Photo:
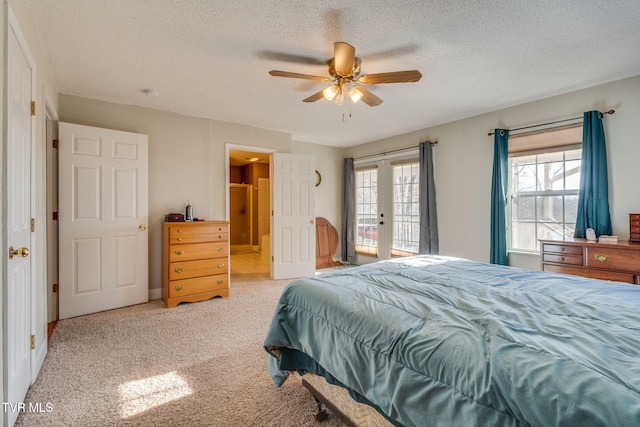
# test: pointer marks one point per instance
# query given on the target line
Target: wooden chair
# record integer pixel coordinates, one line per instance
(326, 244)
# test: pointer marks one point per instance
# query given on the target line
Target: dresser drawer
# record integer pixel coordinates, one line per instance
(634, 217)
(189, 230)
(176, 238)
(635, 236)
(562, 249)
(203, 267)
(191, 251)
(613, 259)
(594, 274)
(198, 285)
(562, 259)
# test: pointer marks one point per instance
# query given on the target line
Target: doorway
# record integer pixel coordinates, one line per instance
(249, 211)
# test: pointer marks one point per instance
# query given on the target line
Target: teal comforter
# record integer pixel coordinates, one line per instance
(443, 341)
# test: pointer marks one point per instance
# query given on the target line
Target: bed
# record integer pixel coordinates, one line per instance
(442, 341)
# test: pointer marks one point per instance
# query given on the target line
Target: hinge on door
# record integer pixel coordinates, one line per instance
(55, 143)
(33, 108)
(55, 288)
(55, 216)
(33, 342)
(33, 225)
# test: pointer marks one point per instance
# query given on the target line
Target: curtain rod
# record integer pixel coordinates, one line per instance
(553, 123)
(391, 151)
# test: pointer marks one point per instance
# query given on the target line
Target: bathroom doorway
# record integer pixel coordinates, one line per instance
(249, 211)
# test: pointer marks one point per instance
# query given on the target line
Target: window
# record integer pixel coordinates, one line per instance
(406, 209)
(543, 187)
(367, 211)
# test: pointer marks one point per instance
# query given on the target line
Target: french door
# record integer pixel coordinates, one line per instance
(387, 208)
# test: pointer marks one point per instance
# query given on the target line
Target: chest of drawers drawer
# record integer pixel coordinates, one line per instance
(191, 251)
(201, 267)
(561, 249)
(613, 259)
(198, 285)
(562, 259)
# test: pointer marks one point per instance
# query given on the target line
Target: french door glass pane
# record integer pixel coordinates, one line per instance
(406, 207)
(366, 238)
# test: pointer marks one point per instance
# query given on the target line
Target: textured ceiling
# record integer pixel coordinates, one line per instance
(211, 58)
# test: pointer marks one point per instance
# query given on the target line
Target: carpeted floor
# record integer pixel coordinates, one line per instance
(198, 364)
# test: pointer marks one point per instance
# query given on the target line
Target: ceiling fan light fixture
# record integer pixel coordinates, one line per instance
(331, 92)
(355, 95)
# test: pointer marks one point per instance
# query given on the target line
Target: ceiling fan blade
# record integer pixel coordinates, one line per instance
(314, 97)
(278, 73)
(289, 57)
(393, 77)
(367, 97)
(344, 55)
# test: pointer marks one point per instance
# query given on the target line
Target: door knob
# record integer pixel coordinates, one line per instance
(142, 227)
(21, 252)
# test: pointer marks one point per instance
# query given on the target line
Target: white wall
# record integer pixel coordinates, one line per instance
(186, 160)
(463, 162)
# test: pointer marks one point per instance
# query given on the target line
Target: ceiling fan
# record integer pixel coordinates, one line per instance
(344, 69)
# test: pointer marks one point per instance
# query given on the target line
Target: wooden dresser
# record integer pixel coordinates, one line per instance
(608, 261)
(195, 261)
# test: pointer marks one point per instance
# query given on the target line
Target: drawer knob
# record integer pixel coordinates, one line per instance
(179, 252)
(221, 248)
(220, 237)
(179, 230)
(602, 258)
(219, 281)
(220, 265)
(179, 239)
(561, 249)
(562, 259)
(178, 270)
(178, 287)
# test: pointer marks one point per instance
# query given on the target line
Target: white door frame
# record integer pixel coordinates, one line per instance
(51, 133)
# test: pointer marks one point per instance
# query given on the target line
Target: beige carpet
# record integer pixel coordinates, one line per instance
(198, 364)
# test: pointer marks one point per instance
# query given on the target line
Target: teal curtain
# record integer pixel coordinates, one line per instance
(428, 239)
(593, 199)
(499, 198)
(348, 212)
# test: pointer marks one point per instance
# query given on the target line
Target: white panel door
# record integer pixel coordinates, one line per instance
(103, 203)
(19, 286)
(293, 235)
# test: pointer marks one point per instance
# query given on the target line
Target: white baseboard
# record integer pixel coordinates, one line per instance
(155, 293)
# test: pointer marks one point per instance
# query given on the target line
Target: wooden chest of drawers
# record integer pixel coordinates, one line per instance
(195, 261)
(634, 227)
(608, 261)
